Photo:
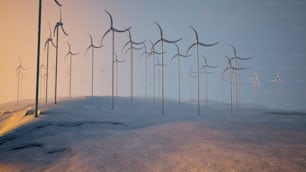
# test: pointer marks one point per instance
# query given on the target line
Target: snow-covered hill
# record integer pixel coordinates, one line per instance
(85, 134)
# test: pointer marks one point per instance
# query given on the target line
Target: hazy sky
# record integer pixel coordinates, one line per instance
(271, 31)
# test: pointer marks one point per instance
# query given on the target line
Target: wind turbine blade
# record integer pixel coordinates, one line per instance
(145, 47)
(205, 60)
(176, 55)
(211, 66)
(121, 31)
(243, 68)
(59, 4)
(143, 54)
(64, 31)
(229, 60)
(52, 43)
(151, 43)
(74, 54)
(126, 44)
(226, 69)
(69, 47)
(182, 55)
(50, 31)
(94, 46)
(195, 32)
(105, 35)
(87, 49)
(67, 54)
(207, 45)
(127, 50)
(177, 48)
(46, 44)
(192, 45)
(160, 29)
(242, 58)
(137, 48)
(158, 53)
(153, 47)
(172, 42)
(234, 49)
(120, 61)
(111, 18)
(138, 43)
(91, 39)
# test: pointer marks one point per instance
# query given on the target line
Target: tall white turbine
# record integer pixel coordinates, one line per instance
(196, 44)
(70, 54)
(113, 30)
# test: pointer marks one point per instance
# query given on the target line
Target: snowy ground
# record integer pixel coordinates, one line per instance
(84, 134)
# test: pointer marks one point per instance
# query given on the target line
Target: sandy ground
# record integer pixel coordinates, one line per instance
(84, 134)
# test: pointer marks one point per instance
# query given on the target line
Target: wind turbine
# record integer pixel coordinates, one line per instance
(38, 53)
(279, 83)
(196, 44)
(70, 54)
(152, 54)
(230, 68)
(117, 61)
(255, 81)
(47, 45)
(113, 30)
(147, 56)
(162, 40)
(131, 48)
(19, 73)
(205, 72)
(178, 55)
(58, 25)
(92, 46)
(235, 58)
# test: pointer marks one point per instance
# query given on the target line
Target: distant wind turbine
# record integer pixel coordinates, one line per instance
(113, 30)
(152, 54)
(147, 56)
(70, 54)
(92, 46)
(196, 44)
(255, 81)
(178, 55)
(205, 72)
(47, 45)
(38, 54)
(162, 40)
(229, 67)
(19, 73)
(278, 81)
(117, 61)
(58, 25)
(131, 48)
(235, 58)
